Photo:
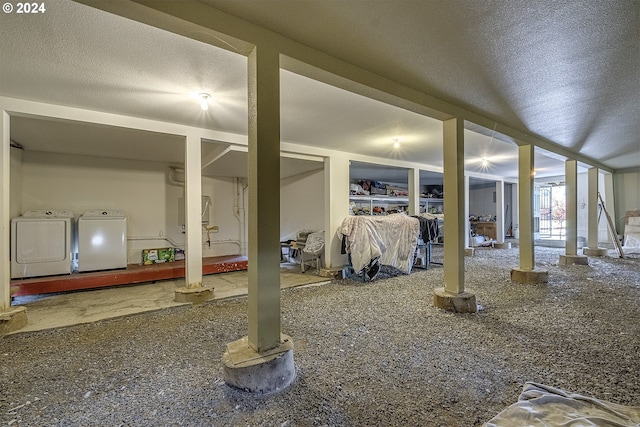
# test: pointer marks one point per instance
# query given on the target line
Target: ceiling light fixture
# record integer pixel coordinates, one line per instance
(485, 162)
(396, 141)
(204, 100)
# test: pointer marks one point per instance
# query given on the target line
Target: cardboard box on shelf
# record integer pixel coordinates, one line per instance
(159, 255)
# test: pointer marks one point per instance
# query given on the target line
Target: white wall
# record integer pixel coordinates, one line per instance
(481, 201)
(582, 208)
(627, 196)
(302, 204)
(223, 194)
(141, 189)
(15, 187)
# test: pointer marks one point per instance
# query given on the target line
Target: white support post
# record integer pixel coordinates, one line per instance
(264, 199)
(452, 296)
(467, 225)
(194, 291)
(11, 318)
(454, 205)
(592, 248)
(592, 206)
(526, 273)
(571, 196)
(414, 191)
(336, 202)
(263, 361)
(609, 200)
(525, 208)
(515, 211)
(192, 209)
(500, 212)
(5, 188)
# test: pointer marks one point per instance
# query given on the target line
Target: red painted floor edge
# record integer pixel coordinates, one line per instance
(131, 275)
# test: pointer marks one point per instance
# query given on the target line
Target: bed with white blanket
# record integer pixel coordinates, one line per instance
(391, 238)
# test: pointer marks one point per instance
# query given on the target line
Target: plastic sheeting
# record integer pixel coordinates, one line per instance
(392, 238)
(542, 405)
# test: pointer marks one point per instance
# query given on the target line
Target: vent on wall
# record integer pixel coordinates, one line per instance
(204, 213)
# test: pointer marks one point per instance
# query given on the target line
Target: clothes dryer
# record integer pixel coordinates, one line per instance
(102, 240)
(42, 243)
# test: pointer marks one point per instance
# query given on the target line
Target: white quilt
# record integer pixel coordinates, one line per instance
(393, 238)
(541, 405)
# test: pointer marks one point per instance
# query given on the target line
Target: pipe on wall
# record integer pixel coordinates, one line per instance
(240, 212)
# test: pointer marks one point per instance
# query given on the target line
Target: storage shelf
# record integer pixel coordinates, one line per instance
(394, 201)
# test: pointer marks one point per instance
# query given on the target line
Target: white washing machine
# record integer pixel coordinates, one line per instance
(42, 243)
(102, 240)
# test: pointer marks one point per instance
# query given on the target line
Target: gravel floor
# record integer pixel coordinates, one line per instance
(374, 354)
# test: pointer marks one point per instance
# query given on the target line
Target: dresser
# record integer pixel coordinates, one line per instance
(486, 229)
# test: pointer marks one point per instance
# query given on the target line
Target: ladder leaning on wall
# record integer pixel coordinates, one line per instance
(612, 229)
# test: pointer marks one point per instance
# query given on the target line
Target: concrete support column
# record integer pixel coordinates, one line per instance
(526, 273)
(469, 250)
(592, 215)
(262, 362)
(452, 296)
(11, 318)
(414, 191)
(571, 196)
(193, 292)
(336, 202)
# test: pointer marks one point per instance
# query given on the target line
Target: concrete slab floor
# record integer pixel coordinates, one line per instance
(74, 308)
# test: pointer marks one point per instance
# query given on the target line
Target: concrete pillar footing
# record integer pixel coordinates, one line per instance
(520, 275)
(13, 319)
(193, 295)
(505, 245)
(469, 251)
(595, 251)
(464, 302)
(263, 373)
(566, 260)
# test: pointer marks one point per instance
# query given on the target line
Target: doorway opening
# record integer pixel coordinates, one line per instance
(552, 202)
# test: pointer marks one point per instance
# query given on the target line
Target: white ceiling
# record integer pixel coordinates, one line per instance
(567, 71)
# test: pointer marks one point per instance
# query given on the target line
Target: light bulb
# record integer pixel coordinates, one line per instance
(204, 101)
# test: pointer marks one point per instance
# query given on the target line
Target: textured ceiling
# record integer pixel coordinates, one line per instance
(564, 70)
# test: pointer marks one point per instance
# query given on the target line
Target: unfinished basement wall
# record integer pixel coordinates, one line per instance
(15, 185)
(626, 187)
(482, 200)
(79, 183)
(302, 204)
